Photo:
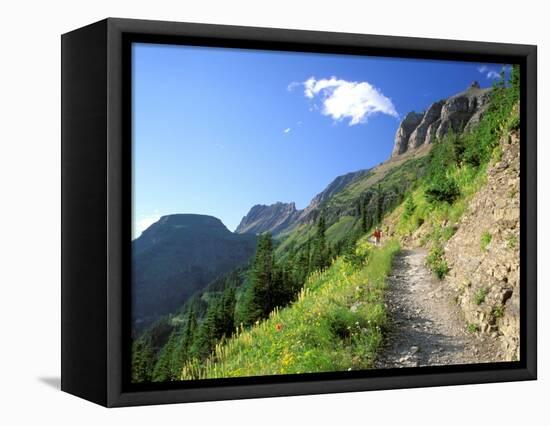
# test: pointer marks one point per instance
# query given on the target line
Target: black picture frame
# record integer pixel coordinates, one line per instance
(96, 210)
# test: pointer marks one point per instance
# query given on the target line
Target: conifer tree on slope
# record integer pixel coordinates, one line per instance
(320, 257)
(259, 295)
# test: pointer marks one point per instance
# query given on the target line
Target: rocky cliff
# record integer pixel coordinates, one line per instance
(483, 254)
(273, 218)
(456, 113)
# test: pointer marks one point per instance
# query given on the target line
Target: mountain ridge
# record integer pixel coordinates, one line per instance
(414, 137)
(262, 218)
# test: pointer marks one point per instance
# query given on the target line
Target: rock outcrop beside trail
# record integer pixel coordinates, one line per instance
(457, 113)
(483, 253)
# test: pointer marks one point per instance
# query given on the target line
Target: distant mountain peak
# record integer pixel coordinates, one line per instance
(475, 84)
(279, 217)
(179, 255)
(272, 218)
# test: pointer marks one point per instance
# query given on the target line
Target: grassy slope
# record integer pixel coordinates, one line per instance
(303, 232)
(439, 218)
(341, 229)
(336, 324)
(321, 331)
(391, 172)
(404, 168)
(438, 221)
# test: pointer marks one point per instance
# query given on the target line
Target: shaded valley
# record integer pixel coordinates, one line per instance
(178, 256)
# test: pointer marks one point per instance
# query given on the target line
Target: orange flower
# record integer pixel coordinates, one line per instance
(278, 327)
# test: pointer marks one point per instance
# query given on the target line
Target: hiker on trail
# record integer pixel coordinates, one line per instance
(377, 234)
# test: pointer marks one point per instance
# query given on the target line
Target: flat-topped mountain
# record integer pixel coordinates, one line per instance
(179, 255)
(459, 112)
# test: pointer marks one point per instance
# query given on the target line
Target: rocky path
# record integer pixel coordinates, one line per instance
(426, 326)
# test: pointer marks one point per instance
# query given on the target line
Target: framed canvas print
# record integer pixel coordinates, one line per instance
(253, 212)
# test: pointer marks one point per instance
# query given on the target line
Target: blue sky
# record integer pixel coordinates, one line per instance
(216, 131)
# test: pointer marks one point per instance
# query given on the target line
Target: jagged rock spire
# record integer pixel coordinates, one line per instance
(459, 112)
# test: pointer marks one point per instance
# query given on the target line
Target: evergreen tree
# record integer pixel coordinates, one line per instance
(271, 284)
(409, 209)
(182, 350)
(205, 338)
(163, 367)
(227, 312)
(379, 205)
(259, 294)
(320, 259)
(142, 361)
(301, 266)
(308, 257)
(331, 252)
(279, 293)
(190, 329)
(285, 285)
(364, 220)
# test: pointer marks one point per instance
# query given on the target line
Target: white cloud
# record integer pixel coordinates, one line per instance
(287, 130)
(143, 222)
(352, 100)
(488, 72)
(293, 86)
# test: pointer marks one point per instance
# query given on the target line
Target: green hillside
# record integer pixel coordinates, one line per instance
(312, 299)
(375, 193)
(335, 324)
(457, 171)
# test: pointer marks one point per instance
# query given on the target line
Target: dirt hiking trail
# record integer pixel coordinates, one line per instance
(426, 327)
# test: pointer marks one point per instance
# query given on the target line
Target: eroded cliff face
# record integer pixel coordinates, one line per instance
(273, 218)
(457, 113)
(407, 126)
(483, 254)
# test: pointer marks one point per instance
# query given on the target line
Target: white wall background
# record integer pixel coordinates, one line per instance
(30, 200)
